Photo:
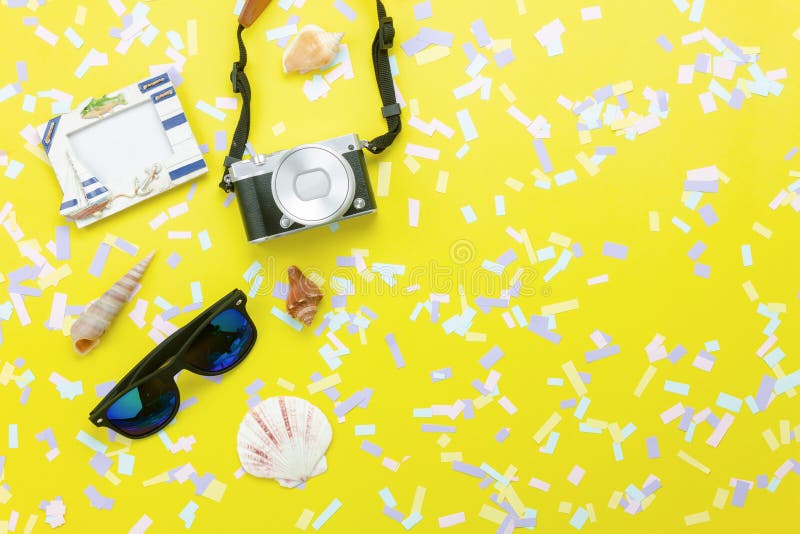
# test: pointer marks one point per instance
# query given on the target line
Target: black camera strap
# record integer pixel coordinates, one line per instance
(384, 40)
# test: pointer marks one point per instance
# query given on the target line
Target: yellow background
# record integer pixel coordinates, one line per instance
(653, 291)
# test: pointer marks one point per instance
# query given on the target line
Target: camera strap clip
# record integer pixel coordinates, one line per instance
(235, 73)
(386, 33)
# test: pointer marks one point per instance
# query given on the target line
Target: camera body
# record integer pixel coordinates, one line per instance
(302, 187)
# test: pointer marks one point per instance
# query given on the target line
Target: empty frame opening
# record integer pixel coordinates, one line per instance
(121, 147)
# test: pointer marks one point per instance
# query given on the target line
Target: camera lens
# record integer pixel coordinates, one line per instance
(313, 185)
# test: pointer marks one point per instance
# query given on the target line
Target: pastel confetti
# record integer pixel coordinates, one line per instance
(615, 250)
(326, 514)
(591, 13)
(456, 337)
(210, 110)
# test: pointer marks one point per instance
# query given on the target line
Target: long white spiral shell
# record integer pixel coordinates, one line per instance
(96, 318)
(284, 438)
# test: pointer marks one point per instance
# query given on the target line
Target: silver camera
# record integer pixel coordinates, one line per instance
(302, 187)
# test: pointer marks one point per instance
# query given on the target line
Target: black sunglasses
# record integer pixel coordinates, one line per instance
(147, 399)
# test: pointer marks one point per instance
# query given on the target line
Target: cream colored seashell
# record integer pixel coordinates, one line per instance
(284, 438)
(96, 318)
(311, 49)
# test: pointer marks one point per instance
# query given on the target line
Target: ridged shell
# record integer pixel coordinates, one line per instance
(284, 438)
(303, 298)
(311, 49)
(96, 318)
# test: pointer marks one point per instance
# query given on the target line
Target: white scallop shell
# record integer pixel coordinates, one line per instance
(284, 438)
(311, 49)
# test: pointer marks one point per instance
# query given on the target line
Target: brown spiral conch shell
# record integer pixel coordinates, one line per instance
(311, 49)
(96, 318)
(304, 296)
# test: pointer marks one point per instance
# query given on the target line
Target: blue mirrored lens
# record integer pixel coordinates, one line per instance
(144, 408)
(222, 342)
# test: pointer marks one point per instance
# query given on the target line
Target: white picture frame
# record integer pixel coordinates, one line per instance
(121, 149)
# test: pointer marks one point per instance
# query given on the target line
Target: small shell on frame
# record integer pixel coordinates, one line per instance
(96, 318)
(312, 48)
(303, 298)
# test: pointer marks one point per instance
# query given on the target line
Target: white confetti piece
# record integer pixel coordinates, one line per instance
(591, 13)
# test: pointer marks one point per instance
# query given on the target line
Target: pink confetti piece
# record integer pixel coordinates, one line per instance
(117, 6)
(141, 525)
(422, 151)
(57, 309)
(442, 128)
(46, 35)
(20, 309)
(670, 414)
(452, 519)
(158, 220)
(229, 103)
(720, 431)
(178, 210)
(413, 212)
(576, 475)
(390, 464)
(138, 313)
(491, 380)
(507, 405)
(707, 102)
(591, 13)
